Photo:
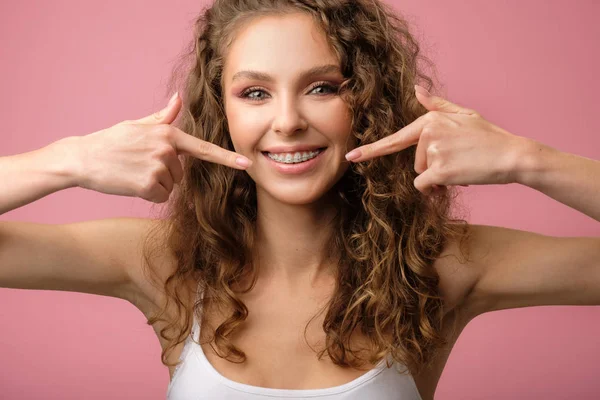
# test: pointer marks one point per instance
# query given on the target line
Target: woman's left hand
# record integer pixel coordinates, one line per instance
(455, 146)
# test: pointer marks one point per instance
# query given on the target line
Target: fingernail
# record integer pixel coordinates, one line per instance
(172, 98)
(422, 90)
(243, 161)
(353, 155)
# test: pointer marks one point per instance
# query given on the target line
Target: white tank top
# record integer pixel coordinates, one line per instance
(196, 379)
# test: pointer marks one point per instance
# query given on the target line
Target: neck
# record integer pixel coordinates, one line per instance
(291, 240)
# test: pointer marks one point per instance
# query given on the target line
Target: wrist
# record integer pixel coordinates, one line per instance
(64, 161)
(532, 162)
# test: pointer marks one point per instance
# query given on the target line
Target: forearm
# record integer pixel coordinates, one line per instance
(568, 178)
(30, 176)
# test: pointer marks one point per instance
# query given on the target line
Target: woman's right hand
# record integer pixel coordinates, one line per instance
(140, 157)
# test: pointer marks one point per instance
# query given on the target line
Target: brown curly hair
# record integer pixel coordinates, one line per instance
(388, 234)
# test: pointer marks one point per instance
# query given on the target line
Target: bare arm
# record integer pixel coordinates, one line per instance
(98, 256)
(30, 176)
(89, 256)
(568, 178)
(132, 158)
(523, 269)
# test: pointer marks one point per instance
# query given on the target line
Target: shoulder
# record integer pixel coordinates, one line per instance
(150, 262)
(459, 265)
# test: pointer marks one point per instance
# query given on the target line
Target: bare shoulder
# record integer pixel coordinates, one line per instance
(507, 268)
(126, 240)
(516, 268)
(150, 262)
(459, 267)
(135, 246)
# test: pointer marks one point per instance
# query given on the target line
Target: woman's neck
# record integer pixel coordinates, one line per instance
(291, 240)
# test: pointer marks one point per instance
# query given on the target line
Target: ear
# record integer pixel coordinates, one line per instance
(436, 103)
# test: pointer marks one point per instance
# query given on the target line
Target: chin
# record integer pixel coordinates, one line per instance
(292, 194)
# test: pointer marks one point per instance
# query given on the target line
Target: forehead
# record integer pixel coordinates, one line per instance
(279, 46)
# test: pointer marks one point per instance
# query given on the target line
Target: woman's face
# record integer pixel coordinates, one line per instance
(280, 112)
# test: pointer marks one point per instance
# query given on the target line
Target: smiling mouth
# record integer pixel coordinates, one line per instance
(294, 157)
(319, 149)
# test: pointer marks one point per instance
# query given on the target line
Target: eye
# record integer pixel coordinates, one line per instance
(245, 94)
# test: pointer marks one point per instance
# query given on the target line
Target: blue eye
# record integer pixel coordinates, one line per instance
(248, 91)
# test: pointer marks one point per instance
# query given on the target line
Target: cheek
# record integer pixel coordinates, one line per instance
(340, 119)
(343, 135)
(240, 130)
(241, 142)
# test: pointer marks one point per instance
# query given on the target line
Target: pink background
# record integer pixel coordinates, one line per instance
(72, 68)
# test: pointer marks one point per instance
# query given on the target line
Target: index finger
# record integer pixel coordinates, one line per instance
(400, 140)
(192, 146)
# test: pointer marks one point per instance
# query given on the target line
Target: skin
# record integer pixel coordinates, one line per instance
(293, 211)
(455, 146)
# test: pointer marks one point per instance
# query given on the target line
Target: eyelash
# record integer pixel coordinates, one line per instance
(246, 92)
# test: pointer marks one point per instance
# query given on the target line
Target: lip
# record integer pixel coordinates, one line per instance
(295, 169)
(292, 149)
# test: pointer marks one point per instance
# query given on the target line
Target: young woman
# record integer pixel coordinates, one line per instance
(308, 248)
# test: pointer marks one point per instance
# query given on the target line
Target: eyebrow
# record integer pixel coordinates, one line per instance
(262, 76)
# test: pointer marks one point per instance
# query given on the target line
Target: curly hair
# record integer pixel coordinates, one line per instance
(387, 233)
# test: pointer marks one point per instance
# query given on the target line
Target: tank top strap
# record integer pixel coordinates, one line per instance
(196, 322)
(195, 329)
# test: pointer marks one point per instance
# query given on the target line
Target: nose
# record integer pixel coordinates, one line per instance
(289, 119)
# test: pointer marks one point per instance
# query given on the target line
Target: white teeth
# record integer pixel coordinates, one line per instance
(297, 157)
